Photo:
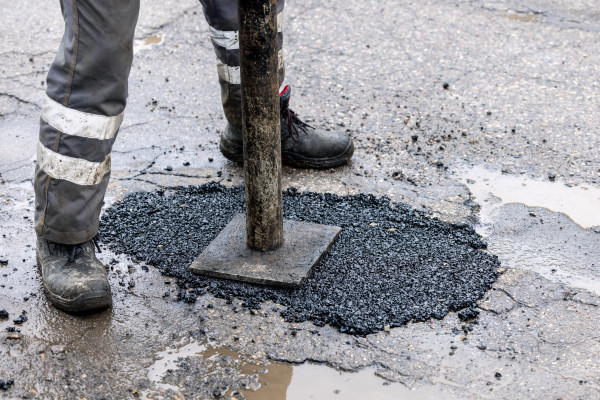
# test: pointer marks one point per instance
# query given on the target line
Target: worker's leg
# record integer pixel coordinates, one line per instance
(301, 145)
(81, 114)
(222, 19)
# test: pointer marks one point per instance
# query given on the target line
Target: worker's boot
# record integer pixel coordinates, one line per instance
(302, 145)
(73, 278)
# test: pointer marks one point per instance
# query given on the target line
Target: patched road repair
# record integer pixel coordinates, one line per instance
(476, 164)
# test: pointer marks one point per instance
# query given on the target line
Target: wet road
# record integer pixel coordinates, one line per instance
(479, 112)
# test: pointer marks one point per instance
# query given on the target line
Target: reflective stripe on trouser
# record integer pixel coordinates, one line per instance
(82, 112)
(223, 25)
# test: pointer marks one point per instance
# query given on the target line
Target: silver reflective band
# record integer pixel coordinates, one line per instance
(280, 22)
(230, 39)
(79, 123)
(226, 39)
(76, 170)
(232, 74)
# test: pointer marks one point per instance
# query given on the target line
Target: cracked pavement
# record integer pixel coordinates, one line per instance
(431, 92)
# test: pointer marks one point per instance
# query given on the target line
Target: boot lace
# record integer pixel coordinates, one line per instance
(293, 122)
(77, 248)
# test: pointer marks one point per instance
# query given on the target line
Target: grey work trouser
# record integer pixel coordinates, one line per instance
(84, 103)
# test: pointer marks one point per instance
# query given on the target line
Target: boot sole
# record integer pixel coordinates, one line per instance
(297, 161)
(87, 302)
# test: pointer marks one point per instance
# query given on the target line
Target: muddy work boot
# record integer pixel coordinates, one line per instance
(302, 146)
(73, 278)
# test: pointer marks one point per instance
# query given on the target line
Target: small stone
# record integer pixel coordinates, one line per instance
(5, 385)
(22, 319)
(210, 159)
(551, 177)
(3, 261)
(4, 314)
(169, 168)
(468, 314)
(532, 214)
(57, 349)
(498, 375)
(220, 391)
(186, 164)
(446, 85)
(13, 336)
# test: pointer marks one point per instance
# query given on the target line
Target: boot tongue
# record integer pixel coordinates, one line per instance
(284, 97)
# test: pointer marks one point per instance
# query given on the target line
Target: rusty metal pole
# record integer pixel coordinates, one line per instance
(260, 123)
(256, 252)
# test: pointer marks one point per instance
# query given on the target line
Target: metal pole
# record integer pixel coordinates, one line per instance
(260, 123)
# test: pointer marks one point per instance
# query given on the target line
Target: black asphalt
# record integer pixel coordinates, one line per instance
(390, 265)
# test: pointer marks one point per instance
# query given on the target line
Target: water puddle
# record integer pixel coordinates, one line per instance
(273, 380)
(580, 203)
(540, 226)
(314, 381)
(147, 43)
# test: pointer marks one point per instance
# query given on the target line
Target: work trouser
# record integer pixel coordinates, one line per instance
(84, 103)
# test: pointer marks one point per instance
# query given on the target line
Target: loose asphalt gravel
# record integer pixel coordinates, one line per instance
(390, 265)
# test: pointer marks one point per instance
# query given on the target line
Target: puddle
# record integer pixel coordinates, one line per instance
(314, 381)
(147, 43)
(539, 226)
(275, 380)
(580, 203)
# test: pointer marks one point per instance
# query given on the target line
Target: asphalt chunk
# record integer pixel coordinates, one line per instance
(5, 385)
(390, 265)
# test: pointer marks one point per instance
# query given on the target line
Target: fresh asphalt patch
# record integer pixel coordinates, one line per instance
(391, 264)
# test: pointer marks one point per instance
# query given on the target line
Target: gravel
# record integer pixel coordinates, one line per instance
(390, 265)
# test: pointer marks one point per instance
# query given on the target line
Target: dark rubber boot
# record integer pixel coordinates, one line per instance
(302, 146)
(74, 279)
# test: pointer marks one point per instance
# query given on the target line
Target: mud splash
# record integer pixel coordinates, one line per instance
(148, 42)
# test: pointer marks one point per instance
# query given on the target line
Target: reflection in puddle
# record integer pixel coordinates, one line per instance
(276, 380)
(314, 381)
(580, 203)
(147, 43)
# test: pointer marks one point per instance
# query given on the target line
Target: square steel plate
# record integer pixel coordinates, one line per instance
(228, 256)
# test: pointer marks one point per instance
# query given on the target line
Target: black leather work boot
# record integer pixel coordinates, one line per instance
(73, 278)
(302, 146)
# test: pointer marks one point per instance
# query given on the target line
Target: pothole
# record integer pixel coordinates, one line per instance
(390, 265)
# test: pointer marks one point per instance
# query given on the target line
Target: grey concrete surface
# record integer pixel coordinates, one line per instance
(433, 93)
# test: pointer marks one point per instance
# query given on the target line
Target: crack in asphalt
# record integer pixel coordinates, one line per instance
(20, 100)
